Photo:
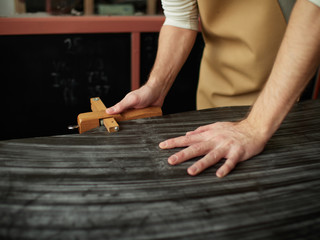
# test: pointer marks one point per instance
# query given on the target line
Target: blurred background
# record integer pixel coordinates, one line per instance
(81, 7)
(57, 54)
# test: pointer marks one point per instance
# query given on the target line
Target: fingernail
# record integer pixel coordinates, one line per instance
(220, 173)
(193, 170)
(110, 110)
(163, 145)
(173, 159)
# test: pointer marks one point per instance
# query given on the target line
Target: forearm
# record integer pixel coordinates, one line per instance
(297, 60)
(174, 48)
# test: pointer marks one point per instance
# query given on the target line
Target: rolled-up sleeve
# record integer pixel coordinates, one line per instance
(316, 2)
(181, 13)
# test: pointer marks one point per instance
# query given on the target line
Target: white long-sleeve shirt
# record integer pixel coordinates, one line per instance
(184, 13)
(181, 13)
(316, 2)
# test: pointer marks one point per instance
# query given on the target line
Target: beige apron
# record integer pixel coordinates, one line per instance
(242, 39)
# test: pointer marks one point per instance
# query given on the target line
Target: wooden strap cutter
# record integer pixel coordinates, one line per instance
(99, 117)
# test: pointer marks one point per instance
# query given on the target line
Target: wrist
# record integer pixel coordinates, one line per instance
(261, 131)
(160, 86)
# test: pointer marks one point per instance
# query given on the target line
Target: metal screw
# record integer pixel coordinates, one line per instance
(96, 99)
(71, 127)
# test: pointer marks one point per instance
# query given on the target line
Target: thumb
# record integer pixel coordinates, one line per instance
(118, 108)
(128, 102)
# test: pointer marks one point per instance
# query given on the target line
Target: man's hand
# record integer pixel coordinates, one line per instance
(140, 98)
(175, 45)
(297, 61)
(233, 141)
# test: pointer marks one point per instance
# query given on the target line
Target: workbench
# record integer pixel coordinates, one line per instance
(99, 185)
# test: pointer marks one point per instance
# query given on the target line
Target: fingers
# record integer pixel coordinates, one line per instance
(199, 130)
(208, 160)
(221, 140)
(193, 151)
(182, 141)
(235, 155)
(226, 168)
(113, 110)
(140, 98)
(212, 154)
(211, 127)
(129, 101)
